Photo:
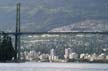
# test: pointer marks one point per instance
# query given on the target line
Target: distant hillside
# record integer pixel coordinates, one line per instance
(84, 26)
(45, 15)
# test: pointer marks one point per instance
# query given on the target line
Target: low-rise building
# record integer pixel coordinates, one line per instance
(101, 57)
(73, 56)
(44, 57)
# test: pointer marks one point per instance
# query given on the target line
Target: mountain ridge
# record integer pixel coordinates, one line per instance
(45, 15)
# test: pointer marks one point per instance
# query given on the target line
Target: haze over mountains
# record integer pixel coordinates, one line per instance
(55, 15)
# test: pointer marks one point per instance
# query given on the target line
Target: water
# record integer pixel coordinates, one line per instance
(52, 67)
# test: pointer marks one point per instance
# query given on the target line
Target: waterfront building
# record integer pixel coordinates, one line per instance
(44, 57)
(93, 57)
(106, 58)
(82, 56)
(73, 56)
(68, 51)
(101, 57)
(52, 56)
(31, 55)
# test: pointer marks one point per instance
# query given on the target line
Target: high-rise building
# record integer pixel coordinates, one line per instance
(52, 52)
(52, 55)
(68, 51)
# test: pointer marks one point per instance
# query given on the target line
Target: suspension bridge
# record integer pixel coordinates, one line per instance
(18, 33)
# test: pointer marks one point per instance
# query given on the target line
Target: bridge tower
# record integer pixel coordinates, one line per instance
(17, 35)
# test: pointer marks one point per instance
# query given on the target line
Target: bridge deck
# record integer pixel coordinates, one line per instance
(51, 33)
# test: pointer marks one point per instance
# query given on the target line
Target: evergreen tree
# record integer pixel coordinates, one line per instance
(10, 52)
(6, 49)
